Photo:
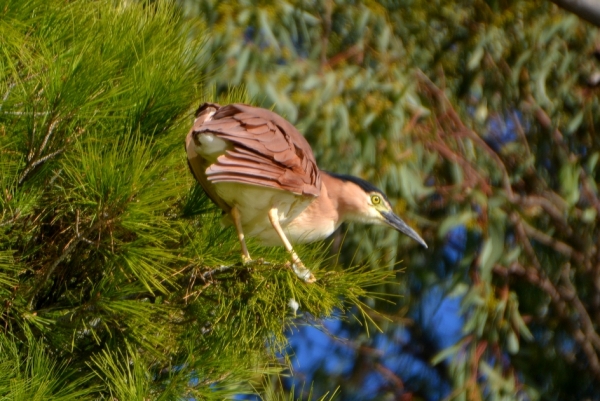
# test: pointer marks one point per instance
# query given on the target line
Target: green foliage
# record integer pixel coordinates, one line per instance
(117, 280)
(29, 373)
(116, 277)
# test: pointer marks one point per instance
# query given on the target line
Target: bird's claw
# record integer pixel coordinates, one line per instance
(303, 273)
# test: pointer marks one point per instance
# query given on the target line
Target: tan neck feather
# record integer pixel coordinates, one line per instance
(341, 197)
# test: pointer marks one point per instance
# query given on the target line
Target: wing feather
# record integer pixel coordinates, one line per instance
(226, 162)
(266, 150)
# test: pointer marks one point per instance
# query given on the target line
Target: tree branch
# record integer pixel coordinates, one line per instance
(36, 163)
(558, 296)
(588, 10)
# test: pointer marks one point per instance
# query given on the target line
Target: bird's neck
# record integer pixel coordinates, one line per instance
(340, 196)
(330, 209)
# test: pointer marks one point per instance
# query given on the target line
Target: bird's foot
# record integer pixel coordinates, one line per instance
(302, 272)
(246, 260)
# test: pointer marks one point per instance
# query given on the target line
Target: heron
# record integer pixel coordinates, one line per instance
(260, 170)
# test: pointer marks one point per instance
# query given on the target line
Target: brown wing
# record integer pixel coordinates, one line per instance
(266, 150)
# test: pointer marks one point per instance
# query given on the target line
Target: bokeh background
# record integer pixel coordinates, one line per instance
(479, 119)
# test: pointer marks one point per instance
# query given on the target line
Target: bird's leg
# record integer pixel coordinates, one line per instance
(297, 265)
(237, 220)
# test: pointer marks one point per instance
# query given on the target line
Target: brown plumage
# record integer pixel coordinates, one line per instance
(259, 169)
(266, 149)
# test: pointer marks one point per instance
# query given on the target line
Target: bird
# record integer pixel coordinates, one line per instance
(260, 170)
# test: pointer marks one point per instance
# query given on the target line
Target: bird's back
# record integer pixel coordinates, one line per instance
(250, 145)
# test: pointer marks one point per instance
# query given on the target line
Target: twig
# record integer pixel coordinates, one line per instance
(390, 376)
(51, 127)
(36, 163)
(586, 321)
(326, 31)
(7, 94)
(548, 206)
(545, 121)
(343, 56)
(476, 357)
(585, 342)
(12, 220)
(521, 132)
(557, 245)
(27, 113)
(462, 130)
(442, 149)
(219, 269)
(589, 193)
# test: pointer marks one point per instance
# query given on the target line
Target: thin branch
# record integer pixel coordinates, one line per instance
(588, 191)
(462, 130)
(556, 212)
(588, 10)
(548, 240)
(51, 127)
(483, 145)
(585, 342)
(561, 297)
(391, 377)
(442, 149)
(545, 121)
(7, 94)
(326, 31)
(564, 297)
(586, 321)
(12, 220)
(36, 163)
(219, 269)
(343, 56)
(27, 113)
(519, 128)
(549, 207)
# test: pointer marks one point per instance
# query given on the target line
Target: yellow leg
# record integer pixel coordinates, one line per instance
(237, 220)
(297, 265)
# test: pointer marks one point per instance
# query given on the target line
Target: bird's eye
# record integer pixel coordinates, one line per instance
(375, 199)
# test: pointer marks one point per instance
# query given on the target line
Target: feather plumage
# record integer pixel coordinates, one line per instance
(266, 150)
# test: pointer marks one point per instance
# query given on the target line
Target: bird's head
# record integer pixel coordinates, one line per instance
(365, 203)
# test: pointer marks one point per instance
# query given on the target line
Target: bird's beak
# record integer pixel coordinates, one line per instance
(400, 225)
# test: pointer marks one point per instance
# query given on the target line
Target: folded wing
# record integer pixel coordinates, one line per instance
(265, 150)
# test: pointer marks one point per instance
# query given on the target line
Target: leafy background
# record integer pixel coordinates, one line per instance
(477, 118)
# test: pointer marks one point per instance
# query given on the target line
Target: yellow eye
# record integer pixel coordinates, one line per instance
(375, 199)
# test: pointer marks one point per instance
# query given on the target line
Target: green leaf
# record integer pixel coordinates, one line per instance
(512, 342)
(447, 353)
(575, 123)
(463, 218)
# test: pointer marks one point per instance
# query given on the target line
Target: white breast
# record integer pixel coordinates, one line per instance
(254, 203)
